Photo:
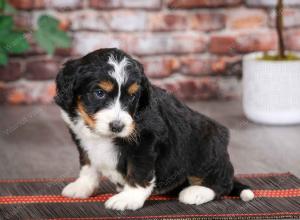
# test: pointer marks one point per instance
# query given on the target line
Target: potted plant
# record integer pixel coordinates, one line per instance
(271, 82)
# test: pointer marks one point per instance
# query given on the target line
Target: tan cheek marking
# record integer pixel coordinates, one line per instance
(107, 86)
(89, 120)
(133, 88)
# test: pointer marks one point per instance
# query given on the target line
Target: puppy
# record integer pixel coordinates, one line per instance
(139, 136)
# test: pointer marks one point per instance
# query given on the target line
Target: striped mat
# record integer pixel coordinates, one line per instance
(277, 197)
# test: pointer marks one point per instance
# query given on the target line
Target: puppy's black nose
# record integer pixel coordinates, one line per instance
(116, 126)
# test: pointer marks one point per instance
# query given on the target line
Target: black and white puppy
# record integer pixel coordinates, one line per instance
(139, 136)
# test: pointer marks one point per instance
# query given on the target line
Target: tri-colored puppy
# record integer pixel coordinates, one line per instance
(139, 136)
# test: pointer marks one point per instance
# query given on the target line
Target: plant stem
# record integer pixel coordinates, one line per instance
(279, 27)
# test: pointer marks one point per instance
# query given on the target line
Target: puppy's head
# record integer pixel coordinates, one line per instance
(105, 89)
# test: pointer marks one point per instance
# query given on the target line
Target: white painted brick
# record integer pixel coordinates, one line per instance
(85, 42)
(128, 21)
(89, 20)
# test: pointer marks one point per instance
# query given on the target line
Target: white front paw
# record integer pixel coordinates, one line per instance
(78, 189)
(123, 201)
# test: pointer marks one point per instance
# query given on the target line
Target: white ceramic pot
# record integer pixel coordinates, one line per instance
(271, 90)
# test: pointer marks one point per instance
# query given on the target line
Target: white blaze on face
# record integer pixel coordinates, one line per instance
(115, 111)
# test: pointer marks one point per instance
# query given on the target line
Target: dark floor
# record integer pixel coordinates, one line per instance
(34, 142)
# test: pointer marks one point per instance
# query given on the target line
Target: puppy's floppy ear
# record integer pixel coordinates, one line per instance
(65, 83)
(145, 90)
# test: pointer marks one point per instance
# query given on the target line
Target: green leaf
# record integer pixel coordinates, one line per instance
(60, 39)
(46, 22)
(49, 36)
(16, 43)
(9, 9)
(6, 22)
(3, 58)
(3, 36)
(44, 41)
(2, 4)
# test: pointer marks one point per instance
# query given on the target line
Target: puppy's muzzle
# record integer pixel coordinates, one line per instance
(116, 126)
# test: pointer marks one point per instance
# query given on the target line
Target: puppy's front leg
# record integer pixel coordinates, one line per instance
(132, 197)
(140, 176)
(84, 185)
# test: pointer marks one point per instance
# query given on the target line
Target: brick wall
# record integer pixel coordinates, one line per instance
(190, 47)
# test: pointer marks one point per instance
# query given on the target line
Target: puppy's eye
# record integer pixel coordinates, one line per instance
(99, 94)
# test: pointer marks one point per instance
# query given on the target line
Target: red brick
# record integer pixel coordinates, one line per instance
(170, 85)
(27, 92)
(256, 41)
(270, 3)
(12, 71)
(201, 88)
(206, 21)
(227, 65)
(198, 65)
(292, 40)
(195, 65)
(246, 19)
(49, 92)
(16, 97)
(159, 67)
(167, 21)
(28, 4)
(64, 52)
(190, 4)
(3, 92)
(23, 20)
(291, 17)
(167, 43)
(105, 4)
(64, 24)
(42, 69)
(223, 44)
(191, 88)
(244, 42)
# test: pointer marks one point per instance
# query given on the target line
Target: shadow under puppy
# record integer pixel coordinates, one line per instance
(139, 136)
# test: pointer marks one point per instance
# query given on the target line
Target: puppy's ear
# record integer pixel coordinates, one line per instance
(145, 90)
(65, 83)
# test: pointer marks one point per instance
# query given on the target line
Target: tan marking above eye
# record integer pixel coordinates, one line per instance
(88, 119)
(133, 88)
(107, 86)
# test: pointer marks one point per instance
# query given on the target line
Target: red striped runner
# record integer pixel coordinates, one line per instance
(104, 197)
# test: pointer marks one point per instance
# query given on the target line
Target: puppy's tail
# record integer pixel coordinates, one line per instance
(241, 190)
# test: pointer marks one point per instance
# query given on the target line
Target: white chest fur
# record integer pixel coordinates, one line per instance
(101, 151)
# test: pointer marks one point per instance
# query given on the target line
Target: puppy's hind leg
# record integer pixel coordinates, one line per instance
(195, 194)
